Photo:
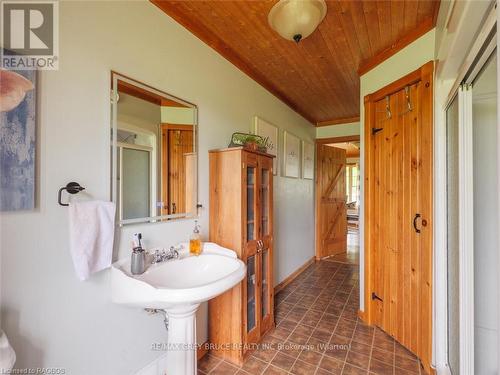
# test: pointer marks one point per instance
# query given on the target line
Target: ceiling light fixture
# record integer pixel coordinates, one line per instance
(296, 19)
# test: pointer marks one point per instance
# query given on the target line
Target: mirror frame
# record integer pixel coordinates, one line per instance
(115, 77)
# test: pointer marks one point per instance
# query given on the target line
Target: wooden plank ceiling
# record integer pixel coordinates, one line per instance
(318, 77)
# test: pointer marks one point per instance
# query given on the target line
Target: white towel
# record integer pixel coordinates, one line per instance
(91, 231)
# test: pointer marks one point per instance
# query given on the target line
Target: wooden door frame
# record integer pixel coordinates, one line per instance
(320, 142)
(423, 74)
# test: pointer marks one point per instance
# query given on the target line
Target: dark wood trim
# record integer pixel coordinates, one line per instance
(347, 138)
(293, 276)
(404, 41)
(152, 97)
(169, 126)
(338, 121)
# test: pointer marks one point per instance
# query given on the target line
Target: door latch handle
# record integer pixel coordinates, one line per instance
(374, 296)
(415, 223)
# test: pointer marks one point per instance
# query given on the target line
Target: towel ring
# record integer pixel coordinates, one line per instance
(71, 188)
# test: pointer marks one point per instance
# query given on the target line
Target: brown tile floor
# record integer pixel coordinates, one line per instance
(318, 332)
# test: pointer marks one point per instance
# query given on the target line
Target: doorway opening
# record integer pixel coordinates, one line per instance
(338, 199)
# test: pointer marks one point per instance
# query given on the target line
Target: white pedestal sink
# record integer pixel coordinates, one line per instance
(178, 287)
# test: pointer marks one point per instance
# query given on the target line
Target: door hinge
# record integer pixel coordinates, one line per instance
(376, 130)
(374, 296)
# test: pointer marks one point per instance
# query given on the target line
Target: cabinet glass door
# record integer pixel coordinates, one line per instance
(251, 184)
(265, 295)
(251, 293)
(266, 238)
(251, 225)
(265, 186)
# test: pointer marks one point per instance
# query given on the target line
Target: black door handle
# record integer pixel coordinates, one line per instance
(415, 223)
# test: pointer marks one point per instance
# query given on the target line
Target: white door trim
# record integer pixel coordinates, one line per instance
(466, 229)
(468, 20)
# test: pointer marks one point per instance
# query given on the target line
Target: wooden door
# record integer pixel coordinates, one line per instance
(177, 143)
(398, 215)
(331, 214)
(265, 205)
(251, 245)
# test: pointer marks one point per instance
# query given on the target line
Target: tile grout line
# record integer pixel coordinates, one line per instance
(317, 366)
(311, 278)
(350, 342)
(371, 353)
(285, 339)
(296, 359)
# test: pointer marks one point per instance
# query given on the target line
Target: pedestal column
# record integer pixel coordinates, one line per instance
(181, 358)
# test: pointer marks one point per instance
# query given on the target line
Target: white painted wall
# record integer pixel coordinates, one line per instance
(176, 115)
(51, 318)
(340, 130)
(139, 112)
(405, 61)
(486, 220)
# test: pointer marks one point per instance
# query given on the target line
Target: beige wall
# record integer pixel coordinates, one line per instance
(340, 130)
(51, 318)
(175, 115)
(405, 61)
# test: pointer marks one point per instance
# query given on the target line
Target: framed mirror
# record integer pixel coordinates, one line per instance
(154, 153)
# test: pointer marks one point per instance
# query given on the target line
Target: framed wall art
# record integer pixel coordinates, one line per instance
(291, 155)
(307, 160)
(17, 139)
(271, 133)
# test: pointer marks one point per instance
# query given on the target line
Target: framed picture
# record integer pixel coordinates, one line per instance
(291, 155)
(307, 160)
(271, 132)
(17, 139)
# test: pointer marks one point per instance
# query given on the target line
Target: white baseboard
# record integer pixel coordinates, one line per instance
(157, 367)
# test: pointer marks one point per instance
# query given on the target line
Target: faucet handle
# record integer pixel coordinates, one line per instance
(174, 252)
(156, 257)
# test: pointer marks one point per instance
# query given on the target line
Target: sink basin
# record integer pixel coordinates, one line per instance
(188, 280)
(178, 286)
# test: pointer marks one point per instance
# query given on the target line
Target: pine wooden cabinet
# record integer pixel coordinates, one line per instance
(241, 219)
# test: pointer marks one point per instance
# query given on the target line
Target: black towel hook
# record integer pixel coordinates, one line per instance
(71, 188)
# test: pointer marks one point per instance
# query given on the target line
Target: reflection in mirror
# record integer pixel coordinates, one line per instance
(154, 153)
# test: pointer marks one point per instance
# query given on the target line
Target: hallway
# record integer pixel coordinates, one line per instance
(318, 331)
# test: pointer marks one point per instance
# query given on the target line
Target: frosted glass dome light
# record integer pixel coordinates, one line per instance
(296, 19)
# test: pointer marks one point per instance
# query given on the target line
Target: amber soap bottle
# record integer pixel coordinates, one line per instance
(195, 241)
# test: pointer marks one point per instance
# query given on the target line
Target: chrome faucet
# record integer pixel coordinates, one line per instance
(163, 256)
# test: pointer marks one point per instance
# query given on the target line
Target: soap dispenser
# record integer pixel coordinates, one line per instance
(195, 241)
